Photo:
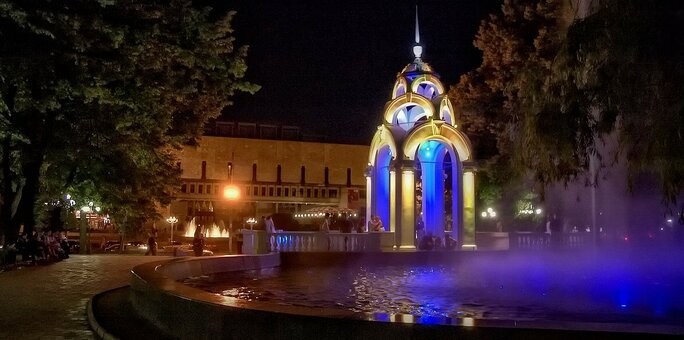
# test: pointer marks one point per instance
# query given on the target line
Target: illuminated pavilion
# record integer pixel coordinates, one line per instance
(419, 161)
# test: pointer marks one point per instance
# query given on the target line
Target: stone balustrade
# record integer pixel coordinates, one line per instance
(257, 241)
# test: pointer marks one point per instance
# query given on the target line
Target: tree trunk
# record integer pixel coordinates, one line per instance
(9, 230)
(26, 212)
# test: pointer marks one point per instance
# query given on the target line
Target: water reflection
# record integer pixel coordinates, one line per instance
(605, 287)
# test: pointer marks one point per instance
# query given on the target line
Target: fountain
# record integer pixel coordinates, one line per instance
(211, 231)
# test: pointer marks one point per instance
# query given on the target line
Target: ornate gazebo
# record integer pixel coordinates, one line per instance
(419, 142)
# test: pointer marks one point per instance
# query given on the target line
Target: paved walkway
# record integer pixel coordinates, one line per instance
(48, 302)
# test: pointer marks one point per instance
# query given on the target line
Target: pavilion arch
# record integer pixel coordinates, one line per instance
(433, 86)
(400, 88)
(446, 111)
(437, 130)
(383, 137)
(408, 99)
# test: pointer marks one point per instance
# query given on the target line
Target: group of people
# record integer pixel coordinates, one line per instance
(343, 224)
(44, 246)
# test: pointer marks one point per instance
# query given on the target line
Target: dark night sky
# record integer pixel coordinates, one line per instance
(329, 66)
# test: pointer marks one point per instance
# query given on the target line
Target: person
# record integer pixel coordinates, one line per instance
(325, 226)
(269, 226)
(376, 223)
(198, 241)
(151, 244)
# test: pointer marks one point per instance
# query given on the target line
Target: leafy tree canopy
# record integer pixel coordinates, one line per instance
(101, 93)
(553, 87)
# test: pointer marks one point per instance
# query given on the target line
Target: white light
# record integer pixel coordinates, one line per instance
(492, 214)
(72, 202)
(538, 211)
(67, 197)
(489, 210)
(97, 209)
(669, 220)
(85, 209)
(484, 214)
(90, 204)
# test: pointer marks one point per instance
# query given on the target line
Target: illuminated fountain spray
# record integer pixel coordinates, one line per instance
(210, 231)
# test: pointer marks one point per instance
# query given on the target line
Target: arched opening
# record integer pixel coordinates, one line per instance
(439, 169)
(406, 116)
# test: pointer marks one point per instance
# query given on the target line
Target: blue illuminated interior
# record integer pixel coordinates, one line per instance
(382, 184)
(437, 171)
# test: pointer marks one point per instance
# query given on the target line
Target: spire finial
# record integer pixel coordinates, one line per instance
(417, 49)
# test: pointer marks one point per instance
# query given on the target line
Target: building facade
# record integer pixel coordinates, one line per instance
(271, 175)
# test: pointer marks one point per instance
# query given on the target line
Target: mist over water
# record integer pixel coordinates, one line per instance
(617, 286)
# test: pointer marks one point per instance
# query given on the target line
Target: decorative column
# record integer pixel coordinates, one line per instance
(468, 236)
(369, 194)
(408, 194)
(393, 201)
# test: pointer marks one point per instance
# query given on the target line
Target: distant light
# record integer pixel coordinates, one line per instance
(90, 204)
(72, 202)
(538, 211)
(484, 214)
(492, 213)
(489, 210)
(669, 220)
(468, 322)
(623, 306)
(85, 209)
(231, 192)
(661, 228)
(97, 209)
(67, 197)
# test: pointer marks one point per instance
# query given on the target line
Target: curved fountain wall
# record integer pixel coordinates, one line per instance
(190, 313)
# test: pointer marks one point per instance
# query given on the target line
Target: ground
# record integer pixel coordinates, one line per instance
(49, 301)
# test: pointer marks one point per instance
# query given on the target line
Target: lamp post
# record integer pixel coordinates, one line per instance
(231, 193)
(251, 221)
(172, 220)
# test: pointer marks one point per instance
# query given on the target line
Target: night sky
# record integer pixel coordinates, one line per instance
(329, 67)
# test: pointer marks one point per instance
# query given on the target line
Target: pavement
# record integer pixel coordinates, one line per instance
(49, 301)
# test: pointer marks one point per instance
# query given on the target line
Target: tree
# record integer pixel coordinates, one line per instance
(100, 94)
(551, 88)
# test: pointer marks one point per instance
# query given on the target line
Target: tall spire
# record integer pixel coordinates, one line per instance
(417, 48)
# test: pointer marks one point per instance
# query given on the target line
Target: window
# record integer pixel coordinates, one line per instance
(308, 193)
(287, 192)
(184, 188)
(278, 172)
(301, 192)
(204, 170)
(192, 188)
(278, 192)
(323, 191)
(263, 191)
(270, 191)
(332, 193)
(208, 189)
(294, 192)
(247, 193)
(315, 193)
(200, 188)
(256, 190)
(254, 172)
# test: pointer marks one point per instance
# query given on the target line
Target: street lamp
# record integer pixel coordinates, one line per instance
(172, 220)
(251, 221)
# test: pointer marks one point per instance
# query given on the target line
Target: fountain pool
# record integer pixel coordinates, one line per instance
(611, 287)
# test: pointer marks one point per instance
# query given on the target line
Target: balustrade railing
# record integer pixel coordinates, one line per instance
(307, 241)
(530, 240)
